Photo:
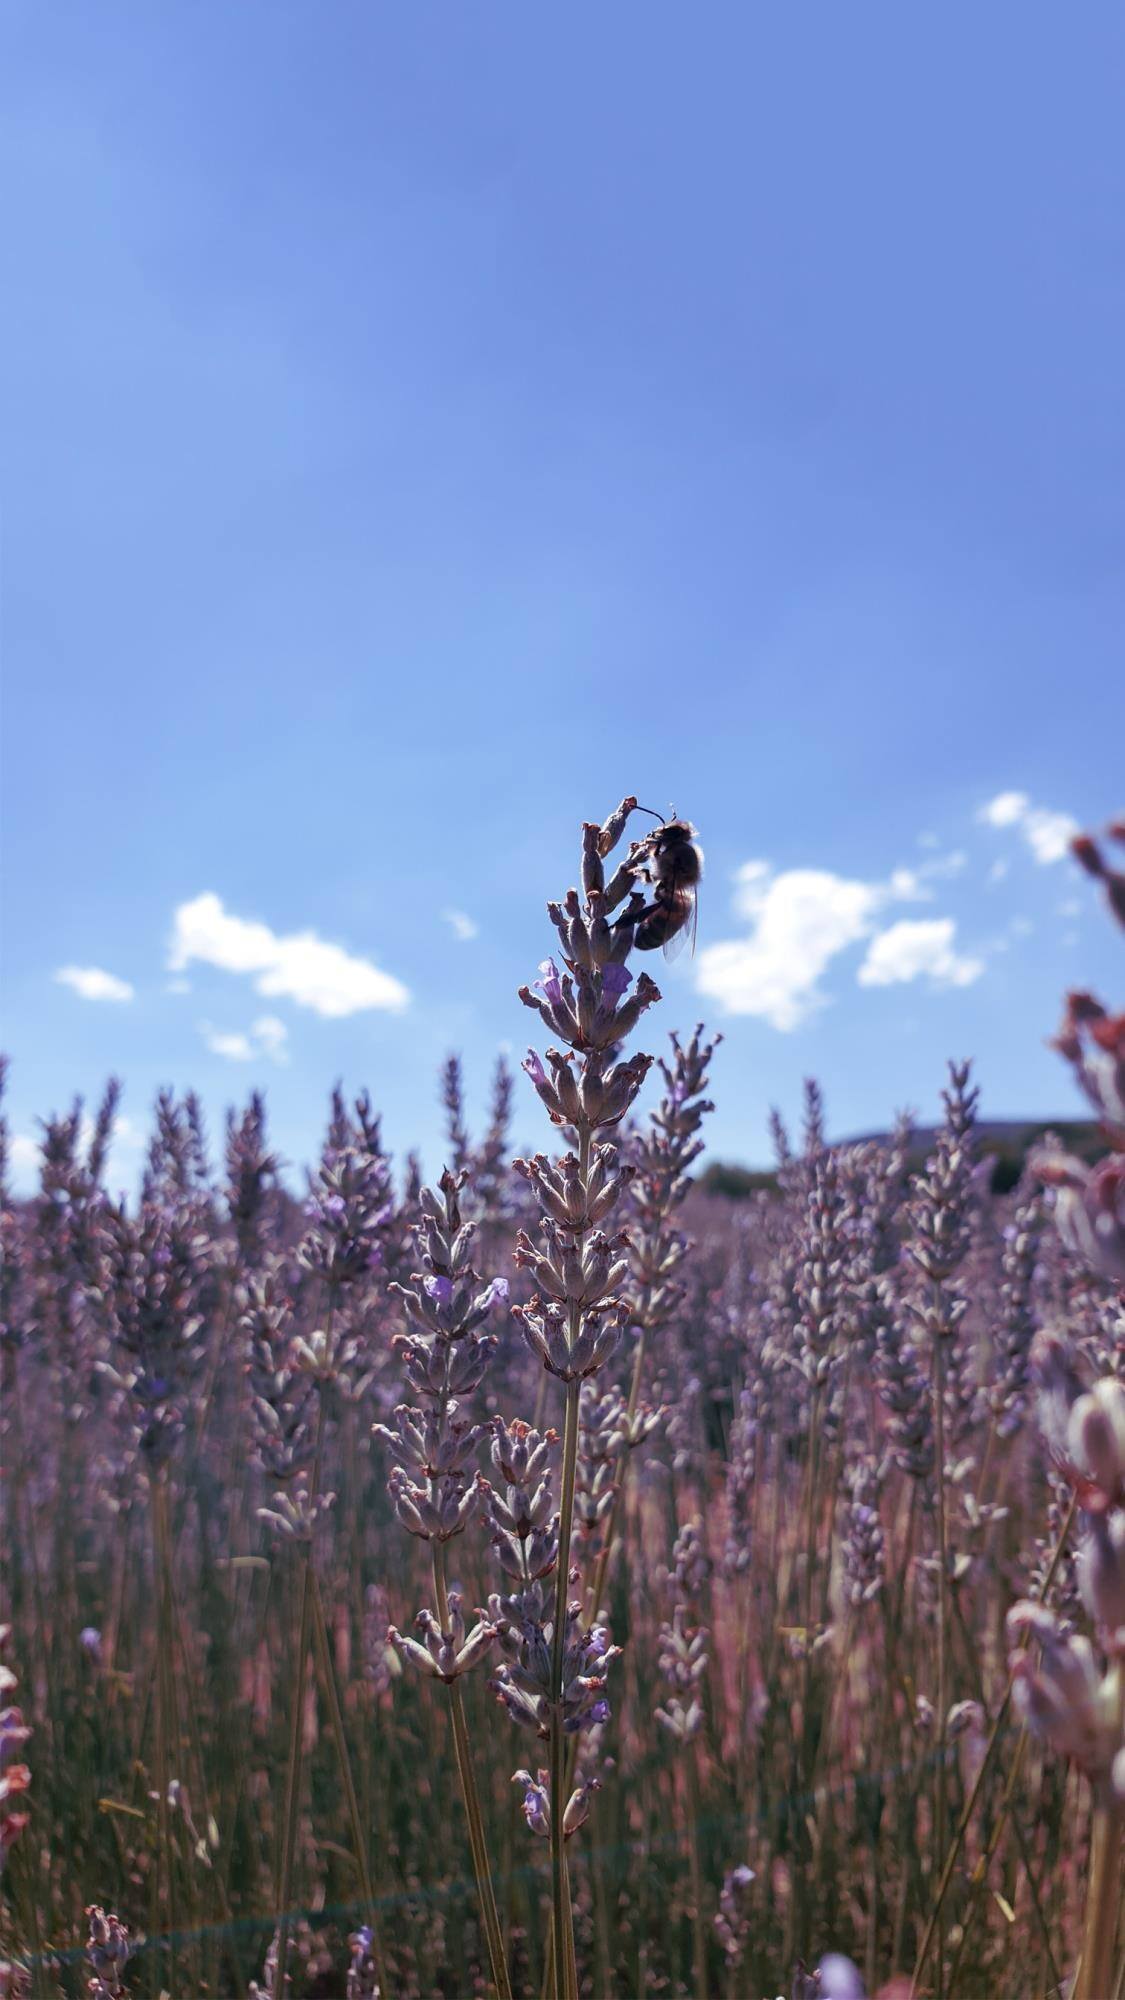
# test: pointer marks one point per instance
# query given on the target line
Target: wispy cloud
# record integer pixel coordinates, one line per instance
(464, 928)
(298, 965)
(915, 885)
(93, 984)
(267, 1036)
(272, 1037)
(913, 949)
(236, 1047)
(945, 866)
(1047, 833)
(803, 918)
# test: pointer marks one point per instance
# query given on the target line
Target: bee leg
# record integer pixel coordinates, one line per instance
(636, 909)
(641, 914)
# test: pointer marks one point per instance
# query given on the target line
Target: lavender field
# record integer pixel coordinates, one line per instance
(556, 1581)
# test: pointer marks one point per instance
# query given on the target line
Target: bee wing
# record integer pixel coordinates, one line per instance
(684, 934)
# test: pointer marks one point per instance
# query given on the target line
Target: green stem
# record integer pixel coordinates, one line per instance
(293, 1787)
(1103, 1904)
(300, 1676)
(698, 1934)
(493, 1934)
(328, 1677)
(942, 1692)
(978, 1784)
(562, 1914)
(800, 1908)
(163, 1711)
(621, 1468)
(563, 1917)
(1008, 1809)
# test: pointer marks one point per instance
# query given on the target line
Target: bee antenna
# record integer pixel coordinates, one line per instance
(651, 814)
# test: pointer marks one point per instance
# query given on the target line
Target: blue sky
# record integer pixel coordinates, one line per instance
(423, 425)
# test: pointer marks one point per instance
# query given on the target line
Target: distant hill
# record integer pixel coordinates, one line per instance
(1006, 1141)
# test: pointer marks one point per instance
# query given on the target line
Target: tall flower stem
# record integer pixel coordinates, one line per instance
(574, 1329)
(1103, 1903)
(163, 1708)
(566, 1982)
(300, 1681)
(566, 1973)
(493, 1935)
(942, 1688)
(660, 1158)
(698, 1933)
(293, 1784)
(359, 1841)
(433, 1491)
(601, 1569)
(973, 1799)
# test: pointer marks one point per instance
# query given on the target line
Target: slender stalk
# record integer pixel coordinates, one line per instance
(562, 1919)
(293, 1786)
(989, 1748)
(566, 1983)
(1103, 1903)
(698, 1933)
(359, 1841)
(621, 1469)
(799, 1915)
(1009, 1793)
(300, 1681)
(493, 1934)
(942, 1687)
(163, 1707)
(1119, 1988)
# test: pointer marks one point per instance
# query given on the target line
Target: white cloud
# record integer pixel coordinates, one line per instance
(1006, 809)
(946, 865)
(1047, 833)
(912, 950)
(235, 1047)
(908, 885)
(801, 919)
(998, 871)
(267, 1036)
(94, 984)
(299, 966)
(272, 1037)
(24, 1154)
(912, 885)
(178, 986)
(464, 928)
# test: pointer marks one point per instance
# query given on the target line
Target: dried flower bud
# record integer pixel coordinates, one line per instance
(1096, 1440)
